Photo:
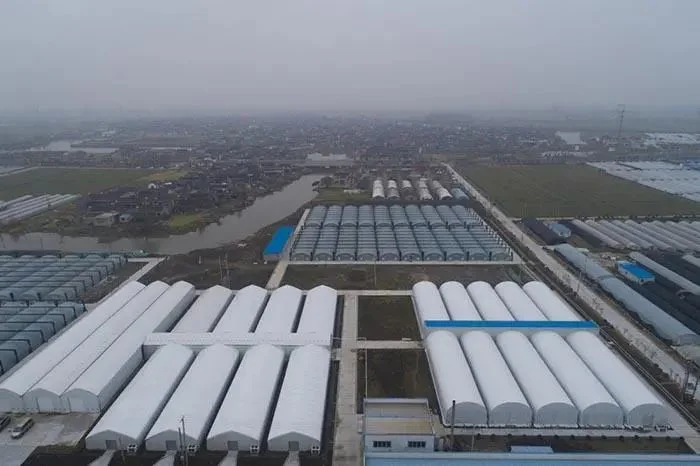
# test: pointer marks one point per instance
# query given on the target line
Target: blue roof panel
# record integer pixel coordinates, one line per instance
(279, 240)
(637, 271)
(544, 324)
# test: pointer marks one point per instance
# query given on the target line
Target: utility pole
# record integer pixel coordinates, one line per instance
(621, 115)
(185, 458)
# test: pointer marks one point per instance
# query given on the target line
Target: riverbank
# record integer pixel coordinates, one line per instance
(233, 265)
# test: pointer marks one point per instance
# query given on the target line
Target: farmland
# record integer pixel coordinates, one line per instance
(571, 191)
(76, 180)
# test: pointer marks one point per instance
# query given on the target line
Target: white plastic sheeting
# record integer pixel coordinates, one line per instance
(518, 302)
(503, 398)
(13, 388)
(457, 301)
(195, 400)
(298, 419)
(597, 408)
(319, 311)
(244, 413)
(640, 405)
(205, 312)
(428, 303)
(98, 385)
(550, 404)
(487, 302)
(45, 395)
(127, 421)
(244, 311)
(281, 311)
(454, 381)
(597, 233)
(551, 305)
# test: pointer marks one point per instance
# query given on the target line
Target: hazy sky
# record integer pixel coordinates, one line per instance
(349, 54)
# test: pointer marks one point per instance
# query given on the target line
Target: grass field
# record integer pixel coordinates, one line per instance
(387, 318)
(185, 220)
(76, 180)
(571, 191)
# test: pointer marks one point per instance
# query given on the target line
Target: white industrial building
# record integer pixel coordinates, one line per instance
(281, 311)
(126, 422)
(454, 381)
(97, 386)
(428, 303)
(195, 401)
(244, 414)
(16, 385)
(205, 312)
(551, 406)
(243, 312)
(597, 408)
(457, 301)
(297, 424)
(549, 302)
(319, 311)
(45, 395)
(518, 302)
(397, 425)
(641, 407)
(502, 396)
(487, 302)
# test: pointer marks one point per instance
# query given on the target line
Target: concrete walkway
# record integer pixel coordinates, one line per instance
(105, 459)
(167, 460)
(231, 459)
(149, 264)
(346, 445)
(277, 275)
(388, 345)
(375, 292)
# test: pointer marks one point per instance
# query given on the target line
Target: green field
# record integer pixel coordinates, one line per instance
(75, 180)
(571, 191)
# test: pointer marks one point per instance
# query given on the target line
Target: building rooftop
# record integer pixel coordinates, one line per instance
(397, 416)
(279, 240)
(636, 270)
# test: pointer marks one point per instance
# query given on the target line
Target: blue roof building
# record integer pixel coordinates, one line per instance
(634, 273)
(274, 249)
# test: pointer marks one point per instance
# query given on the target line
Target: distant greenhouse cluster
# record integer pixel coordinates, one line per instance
(681, 236)
(397, 233)
(27, 206)
(669, 327)
(511, 379)
(50, 278)
(25, 327)
(664, 176)
(422, 190)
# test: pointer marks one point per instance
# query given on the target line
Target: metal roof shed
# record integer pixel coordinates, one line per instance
(319, 311)
(297, 424)
(243, 312)
(454, 381)
(45, 395)
(457, 301)
(428, 303)
(518, 302)
(547, 301)
(195, 399)
(551, 405)
(15, 386)
(281, 311)
(98, 385)
(244, 413)
(487, 302)
(597, 408)
(503, 398)
(126, 422)
(642, 407)
(205, 312)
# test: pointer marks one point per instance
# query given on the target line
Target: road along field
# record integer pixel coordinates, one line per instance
(571, 191)
(78, 180)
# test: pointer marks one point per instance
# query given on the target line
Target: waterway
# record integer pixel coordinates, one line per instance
(572, 138)
(229, 229)
(66, 146)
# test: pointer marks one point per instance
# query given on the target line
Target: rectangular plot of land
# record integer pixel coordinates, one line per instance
(387, 318)
(395, 374)
(571, 191)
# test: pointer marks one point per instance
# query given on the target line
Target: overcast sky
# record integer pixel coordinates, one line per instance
(349, 54)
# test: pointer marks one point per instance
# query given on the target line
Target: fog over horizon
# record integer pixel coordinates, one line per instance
(275, 55)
